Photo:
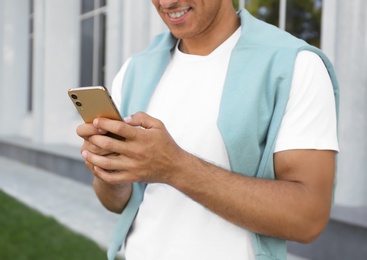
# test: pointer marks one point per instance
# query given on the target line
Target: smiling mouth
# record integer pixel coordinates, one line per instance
(179, 14)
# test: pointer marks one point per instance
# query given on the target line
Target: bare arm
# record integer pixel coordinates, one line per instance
(295, 206)
(113, 197)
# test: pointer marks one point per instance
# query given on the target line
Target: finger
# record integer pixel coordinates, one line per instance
(86, 130)
(93, 169)
(107, 145)
(104, 162)
(102, 174)
(115, 177)
(144, 120)
(90, 167)
(87, 145)
(116, 127)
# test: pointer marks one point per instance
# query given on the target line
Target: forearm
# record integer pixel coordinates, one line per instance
(277, 208)
(113, 197)
(295, 206)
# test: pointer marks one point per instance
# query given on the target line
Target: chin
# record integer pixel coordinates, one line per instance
(181, 34)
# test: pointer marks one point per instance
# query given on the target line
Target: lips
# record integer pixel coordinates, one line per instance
(177, 16)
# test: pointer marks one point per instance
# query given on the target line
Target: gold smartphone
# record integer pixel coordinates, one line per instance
(94, 102)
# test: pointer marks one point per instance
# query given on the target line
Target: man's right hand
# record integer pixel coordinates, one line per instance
(113, 197)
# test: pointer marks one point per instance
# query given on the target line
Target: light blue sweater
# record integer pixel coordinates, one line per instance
(253, 102)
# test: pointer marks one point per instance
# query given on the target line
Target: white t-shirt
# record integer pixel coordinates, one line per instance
(169, 225)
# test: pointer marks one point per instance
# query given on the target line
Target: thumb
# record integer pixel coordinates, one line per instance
(143, 120)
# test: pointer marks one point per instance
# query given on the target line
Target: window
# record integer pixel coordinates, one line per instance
(30, 57)
(304, 20)
(301, 18)
(92, 49)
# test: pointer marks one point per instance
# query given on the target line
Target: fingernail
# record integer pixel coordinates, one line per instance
(101, 131)
(84, 154)
(127, 119)
(95, 122)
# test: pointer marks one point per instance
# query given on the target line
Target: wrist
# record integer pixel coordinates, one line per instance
(103, 185)
(189, 171)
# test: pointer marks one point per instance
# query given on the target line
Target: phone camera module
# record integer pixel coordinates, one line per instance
(78, 104)
(74, 96)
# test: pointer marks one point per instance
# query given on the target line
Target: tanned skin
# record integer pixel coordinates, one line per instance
(295, 206)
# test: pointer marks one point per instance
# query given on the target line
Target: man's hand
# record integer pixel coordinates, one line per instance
(113, 197)
(86, 131)
(146, 154)
(294, 206)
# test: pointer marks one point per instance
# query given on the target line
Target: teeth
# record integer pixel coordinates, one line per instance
(177, 14)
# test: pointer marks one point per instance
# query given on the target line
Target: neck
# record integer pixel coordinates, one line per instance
(206, 43)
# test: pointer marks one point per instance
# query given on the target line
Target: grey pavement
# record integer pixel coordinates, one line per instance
(71, 203)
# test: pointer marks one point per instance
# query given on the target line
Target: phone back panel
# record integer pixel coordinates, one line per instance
(93, 102)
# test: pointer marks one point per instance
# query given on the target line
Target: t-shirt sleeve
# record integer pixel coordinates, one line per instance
(310, 120)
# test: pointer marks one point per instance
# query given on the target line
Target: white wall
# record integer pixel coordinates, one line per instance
(140, 23)
(2, 88)
(56, 64)
(131, 24)
(14, 65)
(350, 50)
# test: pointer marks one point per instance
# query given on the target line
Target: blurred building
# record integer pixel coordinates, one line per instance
(49, 46)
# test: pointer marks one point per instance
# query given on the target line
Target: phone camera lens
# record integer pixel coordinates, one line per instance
(74, 96)
(78, 104)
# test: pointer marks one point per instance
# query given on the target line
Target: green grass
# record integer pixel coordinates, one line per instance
(26, 235)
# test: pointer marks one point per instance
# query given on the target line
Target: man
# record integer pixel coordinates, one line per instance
(236, 151)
